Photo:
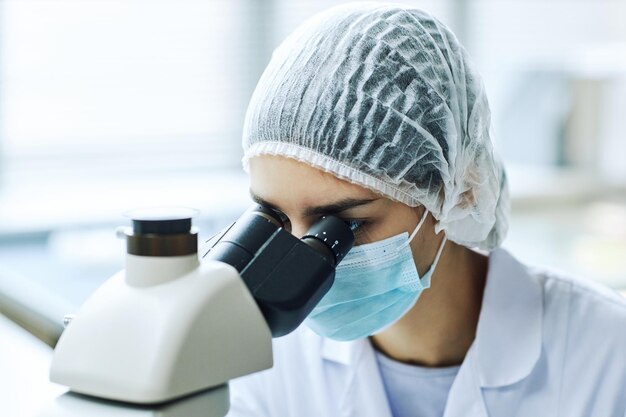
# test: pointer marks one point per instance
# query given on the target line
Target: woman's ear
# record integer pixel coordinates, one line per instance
(468, 198)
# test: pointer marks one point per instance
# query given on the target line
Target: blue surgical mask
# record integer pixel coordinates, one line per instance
(375, 285)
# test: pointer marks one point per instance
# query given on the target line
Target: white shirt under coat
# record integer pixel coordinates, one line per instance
(546, 345)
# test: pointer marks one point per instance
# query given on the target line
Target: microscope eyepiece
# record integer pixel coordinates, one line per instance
(334, 233)
(267, 213)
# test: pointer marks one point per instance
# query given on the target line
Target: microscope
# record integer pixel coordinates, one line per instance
(165, 335)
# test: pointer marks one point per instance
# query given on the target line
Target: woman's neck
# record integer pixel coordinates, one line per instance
(440, 328)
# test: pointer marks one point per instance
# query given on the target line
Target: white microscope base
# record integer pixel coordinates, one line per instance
(212, 403)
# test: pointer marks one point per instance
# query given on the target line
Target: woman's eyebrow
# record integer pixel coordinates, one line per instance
(337, 206)
(259, 200)
(331, 208)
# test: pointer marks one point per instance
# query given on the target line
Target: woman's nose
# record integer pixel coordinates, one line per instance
(298, 229)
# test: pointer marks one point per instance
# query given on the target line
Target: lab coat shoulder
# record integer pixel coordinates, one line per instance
(591, 342)
(589, 303)
(546, 344)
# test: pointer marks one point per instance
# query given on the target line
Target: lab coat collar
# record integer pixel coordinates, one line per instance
(508, 336)
(361, 392)
(509, 333)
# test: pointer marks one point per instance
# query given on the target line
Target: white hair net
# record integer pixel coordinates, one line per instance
(384, 96)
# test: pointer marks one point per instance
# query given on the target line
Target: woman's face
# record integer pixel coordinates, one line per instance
(303, 194)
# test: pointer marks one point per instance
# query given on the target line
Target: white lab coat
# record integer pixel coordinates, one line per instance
(546, 345)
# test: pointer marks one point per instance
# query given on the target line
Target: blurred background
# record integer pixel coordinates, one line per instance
(109, 105)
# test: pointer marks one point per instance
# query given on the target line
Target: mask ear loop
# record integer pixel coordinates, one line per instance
(443, 243)
(417, 228)
(425, 280)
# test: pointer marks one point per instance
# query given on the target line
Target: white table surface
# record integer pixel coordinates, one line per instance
(24, 365)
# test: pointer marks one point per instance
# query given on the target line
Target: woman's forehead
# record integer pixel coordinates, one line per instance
(286, 182)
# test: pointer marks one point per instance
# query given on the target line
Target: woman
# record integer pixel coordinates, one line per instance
(374, 113)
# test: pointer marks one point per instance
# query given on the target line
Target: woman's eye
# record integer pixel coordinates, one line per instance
(354, 224)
